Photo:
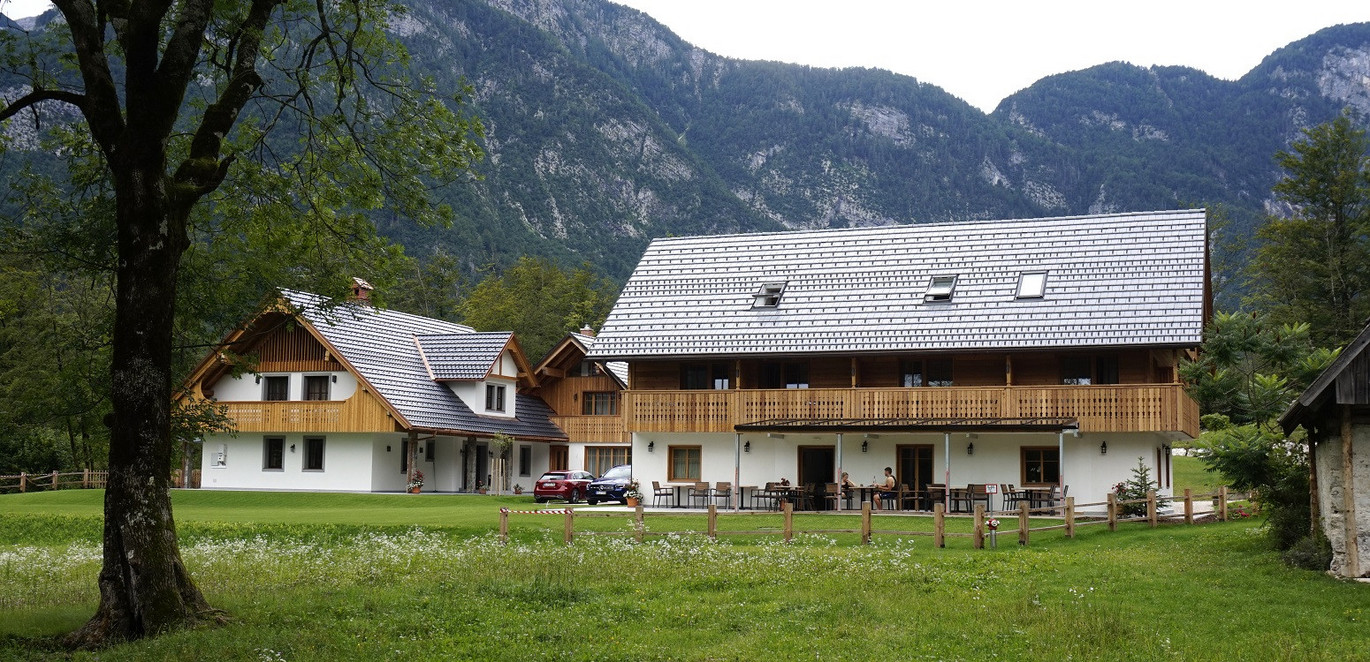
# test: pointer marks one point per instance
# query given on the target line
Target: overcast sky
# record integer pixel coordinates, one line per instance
(985, 50)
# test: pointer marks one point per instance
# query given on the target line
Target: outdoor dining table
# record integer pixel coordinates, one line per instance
(1038, 497)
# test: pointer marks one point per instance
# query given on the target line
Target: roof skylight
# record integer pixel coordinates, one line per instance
(941, 288)
(1032, 285)
(769, 295)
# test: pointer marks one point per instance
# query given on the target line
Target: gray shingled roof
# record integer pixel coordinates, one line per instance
(462, 356)
(617, 369)
(1113, 280)
(380, 344)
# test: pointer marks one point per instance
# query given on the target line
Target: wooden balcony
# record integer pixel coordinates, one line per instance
(593, 429)
(359, 413)
(1112, 408)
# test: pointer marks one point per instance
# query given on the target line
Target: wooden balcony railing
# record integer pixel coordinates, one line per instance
(593, 429)
(359, 413)
(1112, 408)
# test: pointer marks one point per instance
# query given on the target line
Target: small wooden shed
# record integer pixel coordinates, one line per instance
(1335, 411)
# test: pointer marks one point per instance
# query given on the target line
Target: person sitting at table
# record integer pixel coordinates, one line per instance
(886, 490)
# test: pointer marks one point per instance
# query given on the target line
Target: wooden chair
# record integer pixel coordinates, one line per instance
(658, 492)
(937, 493)
(909, 498)
(699, 491)
(831, 494)
(976, 492)
(724, 492)
(1010, 497)
(764, 494)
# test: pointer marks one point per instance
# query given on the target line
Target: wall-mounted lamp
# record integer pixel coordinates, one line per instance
(865, 446)
(335, 379)
(651, 447)
(1103, 448)
(970, 448)
(292, 448)
(259, 379)
(387, 449)
(747, 447)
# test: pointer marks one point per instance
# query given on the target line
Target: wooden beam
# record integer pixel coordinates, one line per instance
(1348, 494)
(553, 372)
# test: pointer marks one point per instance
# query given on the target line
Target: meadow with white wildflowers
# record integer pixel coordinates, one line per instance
(335, 588)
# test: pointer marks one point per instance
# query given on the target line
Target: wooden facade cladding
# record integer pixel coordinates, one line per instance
(291, 348)
(362, 412)
(566, 398)
(1112, 408)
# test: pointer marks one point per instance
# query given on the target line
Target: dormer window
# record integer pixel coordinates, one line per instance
(941, 288)
(1032, 285)
(769, 295)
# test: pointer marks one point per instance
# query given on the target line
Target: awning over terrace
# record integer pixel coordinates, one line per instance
(910, 425)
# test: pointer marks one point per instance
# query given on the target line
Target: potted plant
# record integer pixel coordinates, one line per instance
(480, 487)
(518, 489)
(416, 483)
(632, 494)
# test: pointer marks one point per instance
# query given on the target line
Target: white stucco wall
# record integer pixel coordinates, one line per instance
(347, 463)
(997, 458)
(473, 394)
(245, 388)
(1331, 498)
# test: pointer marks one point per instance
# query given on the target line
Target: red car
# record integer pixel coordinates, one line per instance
(569, 485)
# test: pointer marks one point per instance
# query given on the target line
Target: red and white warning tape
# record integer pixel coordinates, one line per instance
(563, 511)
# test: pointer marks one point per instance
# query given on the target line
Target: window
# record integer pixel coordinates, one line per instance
(684, 463)
(432, 450)
(783, 375)
(694, 376)
(404, 457)
(316, 387)
(1041, 466)
(494, 397)
(1076, 371)
(599, 404)
(1106, 370)
(769, 295)
(525, 460)
(313, 453)
(941, 288)
(273, 454)
(1032, 285)
(939, 372)
(586, 369)
(276, 388)
(599, 459)
(910, 372)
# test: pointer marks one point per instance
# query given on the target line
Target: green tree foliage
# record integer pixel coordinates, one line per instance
(1258, 458)
(540, 302)
(1250, 367)
(238, 127)
(1314, 265)
(1135, 488)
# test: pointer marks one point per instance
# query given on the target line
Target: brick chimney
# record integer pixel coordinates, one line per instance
(361, 290)
(587, 331)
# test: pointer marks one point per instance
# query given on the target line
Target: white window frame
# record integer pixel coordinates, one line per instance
(496, 390)
(1032, 285)
(940, 288)
(768, 295)
(323, 454)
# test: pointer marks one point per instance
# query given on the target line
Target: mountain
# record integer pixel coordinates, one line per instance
(605, 129)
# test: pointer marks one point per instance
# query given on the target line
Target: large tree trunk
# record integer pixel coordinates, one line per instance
(144, 586)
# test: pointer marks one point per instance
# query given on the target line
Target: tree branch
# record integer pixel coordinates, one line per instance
(36, 96)
(101, 107)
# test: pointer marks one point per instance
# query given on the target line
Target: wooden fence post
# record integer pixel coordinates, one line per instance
(85, 479)
(1023, 523)
(640, 525)
(504, 527)
(1070, 517)
(1112, 511)
(1188, 506)
(23, 482)
(789, 521)
(54, 479)
(939, 525)
(865, 522)
(570, 524)
(713, 522)
(978, 540)
(1222, 503)
(1151, 508)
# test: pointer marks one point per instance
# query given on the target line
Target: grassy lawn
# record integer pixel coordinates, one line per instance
(314, 577)
(1189, 472)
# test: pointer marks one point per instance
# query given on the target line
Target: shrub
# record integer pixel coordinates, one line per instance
(1134, 488)
(1310, 553)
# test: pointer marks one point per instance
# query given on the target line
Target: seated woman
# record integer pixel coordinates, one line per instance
(886, 492)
